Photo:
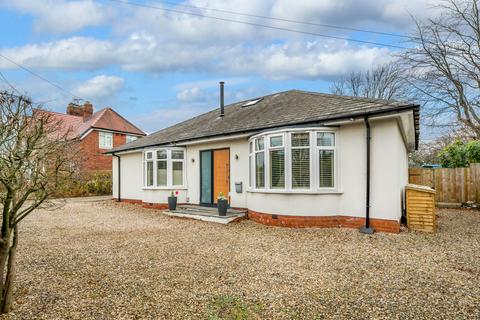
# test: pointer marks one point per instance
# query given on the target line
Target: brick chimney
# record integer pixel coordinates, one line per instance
(84, 111)
(87, 110)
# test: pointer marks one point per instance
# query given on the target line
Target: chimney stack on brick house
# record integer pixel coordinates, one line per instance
(84, 111)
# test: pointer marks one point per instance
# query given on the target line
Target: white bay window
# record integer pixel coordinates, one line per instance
(296, 160)
(165, 167)
(277, 162)
(259, 163)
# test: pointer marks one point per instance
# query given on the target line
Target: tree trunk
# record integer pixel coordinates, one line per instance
(6, 298)
(4, 252)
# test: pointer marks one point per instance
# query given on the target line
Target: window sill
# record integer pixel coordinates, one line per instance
(333, 191)
(165, 188)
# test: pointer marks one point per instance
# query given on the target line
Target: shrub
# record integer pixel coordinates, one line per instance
(94, 183)
(460, 154)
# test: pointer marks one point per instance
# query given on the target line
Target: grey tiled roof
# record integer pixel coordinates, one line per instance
(275, 110)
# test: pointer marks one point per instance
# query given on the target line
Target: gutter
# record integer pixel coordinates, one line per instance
(395, 110)
(367, 229)
(118, 157)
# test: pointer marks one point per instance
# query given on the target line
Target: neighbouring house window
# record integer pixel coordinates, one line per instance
(149, 169)
(300, 160)
(165, 167)
(294, 159)
(259, 163)
(131, 138)
(277, 162)
(105, 140)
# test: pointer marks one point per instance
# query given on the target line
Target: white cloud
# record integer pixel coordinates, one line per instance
(157, 42)
(76, 53)
(191, 95)
(143, 52)
(59, 16)
(100, 88)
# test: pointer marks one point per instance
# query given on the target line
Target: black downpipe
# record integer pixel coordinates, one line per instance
(222, 99)
(367, 229)
(118, 157)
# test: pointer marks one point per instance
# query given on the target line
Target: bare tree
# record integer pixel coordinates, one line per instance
(445, 65)
(35, 157)
(383, 82)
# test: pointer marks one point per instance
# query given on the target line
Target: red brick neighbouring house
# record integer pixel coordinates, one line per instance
(97, 132)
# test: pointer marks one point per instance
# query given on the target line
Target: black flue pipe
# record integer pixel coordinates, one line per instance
(222, 102)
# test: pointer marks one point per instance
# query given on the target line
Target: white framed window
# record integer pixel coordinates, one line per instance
(260, 163)
(105, 140)
(276, 160)
(130, 138)
(149, 169)
(162, 163)
(177, 167)
(295, 160)
(300, 160)
(164, 168)
(326, 159)
(250, 164)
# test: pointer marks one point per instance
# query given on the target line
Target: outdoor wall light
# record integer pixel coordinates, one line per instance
(236, 157)
(193, 160)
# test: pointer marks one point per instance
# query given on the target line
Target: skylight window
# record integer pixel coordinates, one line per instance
(251, 102)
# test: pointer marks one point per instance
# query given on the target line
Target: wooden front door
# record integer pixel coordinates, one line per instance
(221, 173)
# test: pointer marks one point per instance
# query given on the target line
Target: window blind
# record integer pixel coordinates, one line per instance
(301, 168)
(161, 173)
(326, 167)
(277, 169)
(177, 173)
(260, 170)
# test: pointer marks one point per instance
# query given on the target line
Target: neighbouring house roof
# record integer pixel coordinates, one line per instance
(106, 119)
(286, 108)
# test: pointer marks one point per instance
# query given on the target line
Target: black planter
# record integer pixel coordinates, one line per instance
(172, 203)
(222, 207)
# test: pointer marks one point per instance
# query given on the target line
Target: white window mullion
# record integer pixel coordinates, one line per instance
(267, 162)
(313, 144)
(169, 168)
(155, 164)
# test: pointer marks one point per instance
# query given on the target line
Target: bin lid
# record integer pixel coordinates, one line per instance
(419, 188)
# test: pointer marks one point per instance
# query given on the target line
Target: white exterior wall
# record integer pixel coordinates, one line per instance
(389, 174)
(238, 169)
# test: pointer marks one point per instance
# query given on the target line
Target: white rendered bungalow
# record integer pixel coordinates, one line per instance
(294, 158)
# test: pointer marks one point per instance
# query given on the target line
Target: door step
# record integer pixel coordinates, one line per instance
(205, 214)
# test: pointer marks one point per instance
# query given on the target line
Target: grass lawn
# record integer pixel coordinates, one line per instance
(116, 261)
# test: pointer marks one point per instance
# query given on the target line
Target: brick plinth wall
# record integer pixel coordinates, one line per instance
(322, 222)
(148, 205)
(160, 206)
(132, 201)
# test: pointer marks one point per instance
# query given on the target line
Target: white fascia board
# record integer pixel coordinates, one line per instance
(86, 133)
(109, 131)
(208, 140)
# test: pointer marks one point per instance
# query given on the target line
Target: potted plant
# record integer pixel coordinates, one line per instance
(222, 204)
(172, 200)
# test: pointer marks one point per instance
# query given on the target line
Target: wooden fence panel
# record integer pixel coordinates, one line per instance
(453, 185)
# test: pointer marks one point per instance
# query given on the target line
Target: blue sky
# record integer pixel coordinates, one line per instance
(159, 67)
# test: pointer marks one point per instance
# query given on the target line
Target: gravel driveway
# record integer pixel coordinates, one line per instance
(116, 261)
